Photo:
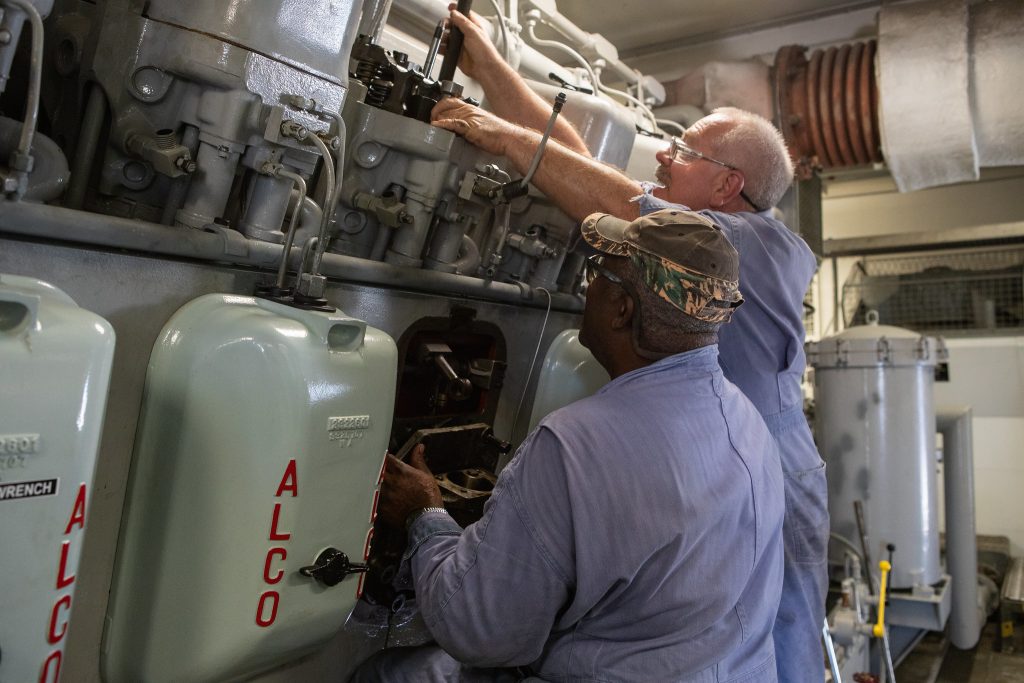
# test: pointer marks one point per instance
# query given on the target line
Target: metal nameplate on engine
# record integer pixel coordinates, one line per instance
(347, 429)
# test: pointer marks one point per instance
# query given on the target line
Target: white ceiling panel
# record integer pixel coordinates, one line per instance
(639, 28)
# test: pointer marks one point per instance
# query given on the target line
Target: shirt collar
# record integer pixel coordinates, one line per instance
(699, 360)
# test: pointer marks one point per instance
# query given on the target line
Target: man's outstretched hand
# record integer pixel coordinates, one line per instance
(407, 488)
(481, 128)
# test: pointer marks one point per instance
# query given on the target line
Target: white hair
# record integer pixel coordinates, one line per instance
(756, 147)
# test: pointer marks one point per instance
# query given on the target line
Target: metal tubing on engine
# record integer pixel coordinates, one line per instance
(966, 617)
(49, 177)
(266, 205)
(35, 80)
(88, 143)
(57, 223)
(208, 194)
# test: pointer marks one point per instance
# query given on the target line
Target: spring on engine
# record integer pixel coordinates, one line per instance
(378, 91)
(375, 77)
(366, 71)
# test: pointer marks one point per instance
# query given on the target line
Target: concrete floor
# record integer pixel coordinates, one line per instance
(935, 661)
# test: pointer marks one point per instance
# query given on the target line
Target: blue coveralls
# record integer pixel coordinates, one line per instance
(762, 352)
(636, 536)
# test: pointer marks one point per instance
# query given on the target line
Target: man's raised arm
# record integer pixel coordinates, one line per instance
(507, 93)
(579, 185)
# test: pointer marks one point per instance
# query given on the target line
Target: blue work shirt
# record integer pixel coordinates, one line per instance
(635, 536)
(761, 350)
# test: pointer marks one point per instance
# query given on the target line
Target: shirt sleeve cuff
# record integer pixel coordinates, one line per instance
(428, 525)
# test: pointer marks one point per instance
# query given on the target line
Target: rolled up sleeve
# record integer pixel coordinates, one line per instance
(490, 594)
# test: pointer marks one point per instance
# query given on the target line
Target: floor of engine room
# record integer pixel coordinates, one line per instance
(934, 660)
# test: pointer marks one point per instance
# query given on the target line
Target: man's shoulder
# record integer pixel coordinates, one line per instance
(744, 229)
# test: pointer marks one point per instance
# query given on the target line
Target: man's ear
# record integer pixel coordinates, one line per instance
(728, 186)
(625, 306)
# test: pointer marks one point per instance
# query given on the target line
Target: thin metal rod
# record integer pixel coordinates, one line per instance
(435, 44)
(858, 511)
(299, 183)
(887, 656)
(88, 142)
(328, 202)
(35, 80)
(555, 111)
(831, 650)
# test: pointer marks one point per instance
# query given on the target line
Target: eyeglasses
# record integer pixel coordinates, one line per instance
(683, 154)
(595, 267)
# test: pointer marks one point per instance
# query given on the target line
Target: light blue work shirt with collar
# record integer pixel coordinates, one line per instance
(761, 350)
(635, 536)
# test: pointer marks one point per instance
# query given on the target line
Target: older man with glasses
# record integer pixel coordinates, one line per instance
(732, 166)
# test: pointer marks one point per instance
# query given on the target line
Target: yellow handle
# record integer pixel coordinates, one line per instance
(879, 629)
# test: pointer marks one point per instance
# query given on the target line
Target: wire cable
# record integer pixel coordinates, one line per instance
(533, 363)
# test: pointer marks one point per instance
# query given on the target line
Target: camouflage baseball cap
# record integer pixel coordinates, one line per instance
(682, 256)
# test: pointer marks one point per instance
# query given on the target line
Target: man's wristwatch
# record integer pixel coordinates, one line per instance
(416, 514)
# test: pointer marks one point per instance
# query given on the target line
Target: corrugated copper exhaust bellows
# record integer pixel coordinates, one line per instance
(828, 105)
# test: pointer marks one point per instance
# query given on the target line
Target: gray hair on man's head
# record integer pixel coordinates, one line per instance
(756, 147)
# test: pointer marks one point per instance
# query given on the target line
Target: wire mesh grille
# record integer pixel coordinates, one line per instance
(974, 292)
(810, 309)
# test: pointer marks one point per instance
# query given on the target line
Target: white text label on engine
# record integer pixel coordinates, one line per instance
(16, 490)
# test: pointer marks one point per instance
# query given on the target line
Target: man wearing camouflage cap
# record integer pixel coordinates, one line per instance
(637, 534)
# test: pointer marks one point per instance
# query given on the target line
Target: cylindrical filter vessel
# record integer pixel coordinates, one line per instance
(875, 427)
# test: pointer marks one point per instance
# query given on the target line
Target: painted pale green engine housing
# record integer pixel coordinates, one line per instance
(55, 361)
(218, 521)
(570, 372)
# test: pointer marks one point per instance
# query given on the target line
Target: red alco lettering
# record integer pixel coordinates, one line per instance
(45, 676)
(276, 535)
(261, 618)
(289, 482)
(266, 565)
(52, 635)
(266, 608)
(63, 580)
(78, 512)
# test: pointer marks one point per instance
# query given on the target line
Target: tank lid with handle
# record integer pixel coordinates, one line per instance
(873, 345)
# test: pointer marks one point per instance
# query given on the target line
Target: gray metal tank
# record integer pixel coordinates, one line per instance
(875, 427)
(314, 36)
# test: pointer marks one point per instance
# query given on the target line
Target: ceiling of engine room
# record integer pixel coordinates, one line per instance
(638, 29)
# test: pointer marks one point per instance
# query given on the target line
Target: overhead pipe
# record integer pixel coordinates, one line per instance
(936, 96)
(967, 616)
(593, 43)
(228, 246)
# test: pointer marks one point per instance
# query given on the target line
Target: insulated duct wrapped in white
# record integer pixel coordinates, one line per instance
(997, 77)
(950, 97)
(923, 57)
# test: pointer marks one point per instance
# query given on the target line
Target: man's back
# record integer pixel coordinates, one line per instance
(682, 564)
